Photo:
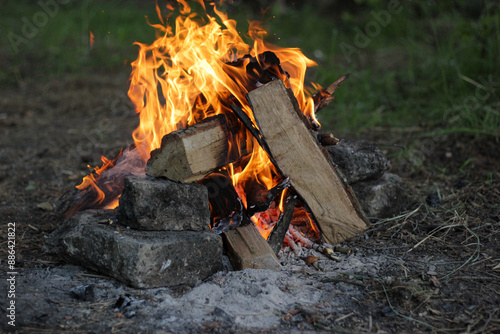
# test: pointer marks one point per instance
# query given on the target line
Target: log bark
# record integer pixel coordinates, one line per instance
(299, 156)
(246, 248)
(190, 154)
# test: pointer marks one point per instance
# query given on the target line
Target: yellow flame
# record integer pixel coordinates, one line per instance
(188, 74)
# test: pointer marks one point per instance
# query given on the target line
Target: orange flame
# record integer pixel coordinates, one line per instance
(191, 71)
(91, 40)
(191, 61)
(91, 179)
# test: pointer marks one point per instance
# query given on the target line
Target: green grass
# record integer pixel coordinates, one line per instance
(63, 44)
(434, 65)
(438, 69)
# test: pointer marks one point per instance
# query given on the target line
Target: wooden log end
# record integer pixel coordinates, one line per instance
(246, 248)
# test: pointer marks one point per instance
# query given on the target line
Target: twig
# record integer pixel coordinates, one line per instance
(303, 240)
(324, 97)
(405, 216)
(345, 316)
(328, 251)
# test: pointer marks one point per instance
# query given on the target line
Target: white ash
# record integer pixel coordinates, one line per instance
(231, 301)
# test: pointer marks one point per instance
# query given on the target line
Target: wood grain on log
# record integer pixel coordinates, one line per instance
(246, 248)
(192, 153)
(300, 158)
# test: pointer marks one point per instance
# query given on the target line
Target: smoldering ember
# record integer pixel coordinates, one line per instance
(232, 212)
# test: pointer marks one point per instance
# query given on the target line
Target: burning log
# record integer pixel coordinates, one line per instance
(192, 153)
(246, 248)
(102, 187)
(244, 245)
(226, 209)
(293, 147)
(259, 199)
(278, 234)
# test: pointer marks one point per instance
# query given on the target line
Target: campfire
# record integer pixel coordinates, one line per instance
(236, 119)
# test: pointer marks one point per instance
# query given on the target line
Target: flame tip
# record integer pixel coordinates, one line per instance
(197, 66)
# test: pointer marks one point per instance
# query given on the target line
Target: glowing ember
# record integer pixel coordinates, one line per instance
(195, 69)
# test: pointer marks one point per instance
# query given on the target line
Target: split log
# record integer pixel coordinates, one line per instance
(190, 154)
(246, 248)
(299, 156)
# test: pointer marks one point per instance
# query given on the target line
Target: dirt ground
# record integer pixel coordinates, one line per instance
(434, 268)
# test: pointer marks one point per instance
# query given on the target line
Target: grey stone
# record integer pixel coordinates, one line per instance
(359, 160)
(381, 198)
(159, 204)
(141, 259)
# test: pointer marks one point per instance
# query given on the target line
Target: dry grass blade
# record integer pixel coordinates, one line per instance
(472, 258)
(407, 317)
(404, 216)
(432, 233)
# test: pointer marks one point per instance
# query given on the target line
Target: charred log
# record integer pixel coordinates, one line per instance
(226, 208)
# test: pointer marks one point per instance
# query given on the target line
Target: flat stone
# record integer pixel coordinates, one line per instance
(381, 198)
(359, 160)
(157, 204)
(141, 259)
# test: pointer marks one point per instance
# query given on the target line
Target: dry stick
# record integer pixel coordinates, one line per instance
(304, 241)
(487, 322)
(345, 316)
(324, 97)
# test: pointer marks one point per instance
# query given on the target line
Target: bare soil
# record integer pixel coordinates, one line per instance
(434, 268)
